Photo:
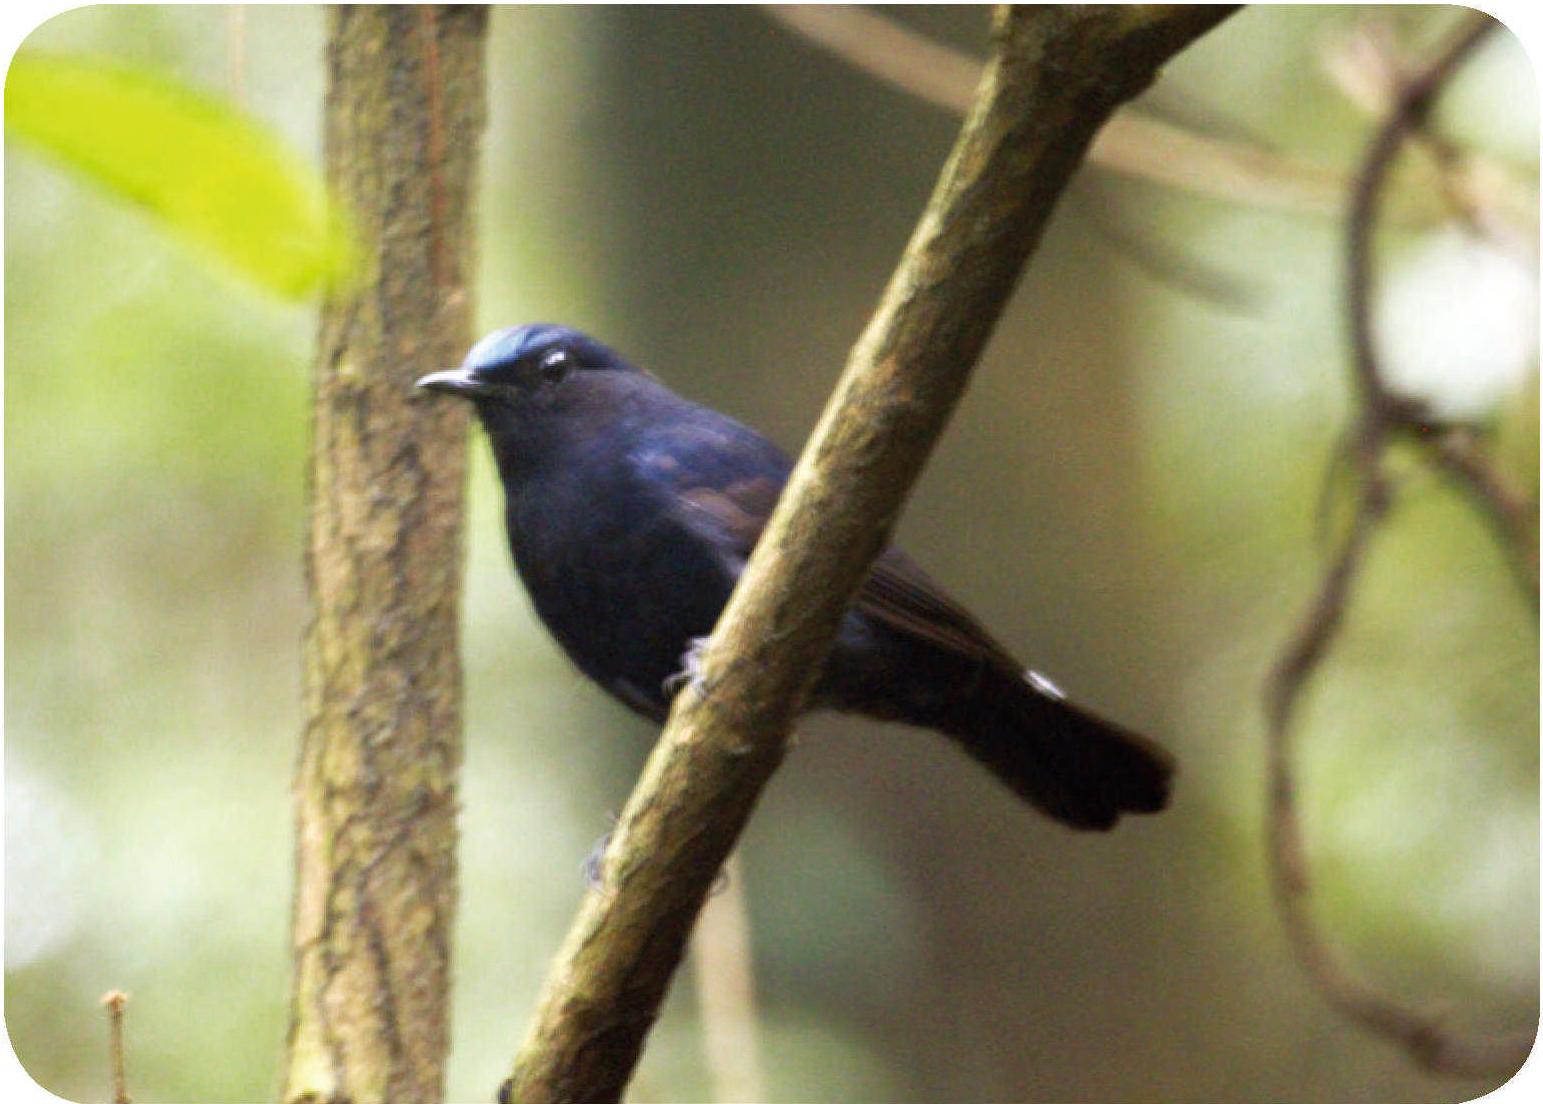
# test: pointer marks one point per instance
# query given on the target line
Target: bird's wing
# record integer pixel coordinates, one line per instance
(734, 512)
(721, 478)
(727, 494)
(900, 594)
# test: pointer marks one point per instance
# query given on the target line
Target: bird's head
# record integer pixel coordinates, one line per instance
(517, 367)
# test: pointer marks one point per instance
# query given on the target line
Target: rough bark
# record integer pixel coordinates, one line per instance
(1055, 75)
(375, 786)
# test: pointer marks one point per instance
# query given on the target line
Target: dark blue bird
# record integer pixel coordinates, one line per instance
(631, 512)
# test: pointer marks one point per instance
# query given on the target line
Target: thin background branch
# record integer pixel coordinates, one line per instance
(723, 969)
(1383, 417)
(1132, 144)
(114, 1000)
(1511, 514)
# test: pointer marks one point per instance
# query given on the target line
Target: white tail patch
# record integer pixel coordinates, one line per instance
(1044, 685)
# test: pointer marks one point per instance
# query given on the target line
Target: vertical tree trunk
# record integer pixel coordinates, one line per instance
(375, 787)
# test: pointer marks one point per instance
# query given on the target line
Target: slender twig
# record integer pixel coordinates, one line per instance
(1160, 259)
(945, 77)
(1454, 450)
(1382, 415)
(1138, 145)
(1056, 73)
(1367, 66)
(885, 48)
(114, 1000)
(1411, 107)
(1512, 515)
(721, 963)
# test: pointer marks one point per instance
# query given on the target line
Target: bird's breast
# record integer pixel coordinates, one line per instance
(621, 586)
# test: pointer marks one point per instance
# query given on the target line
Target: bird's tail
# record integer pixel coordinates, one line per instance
(1074, 766)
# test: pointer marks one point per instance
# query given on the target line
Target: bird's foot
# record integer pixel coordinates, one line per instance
(690, 673)
(594, 869)
(594, 863)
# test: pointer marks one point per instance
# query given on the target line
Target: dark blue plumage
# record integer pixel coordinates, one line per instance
(631, 512)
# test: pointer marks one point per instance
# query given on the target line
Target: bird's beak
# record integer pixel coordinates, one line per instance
(453, 381)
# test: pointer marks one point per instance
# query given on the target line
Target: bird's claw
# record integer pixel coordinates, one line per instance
(690, 673)
(594, 863)
(594, 869)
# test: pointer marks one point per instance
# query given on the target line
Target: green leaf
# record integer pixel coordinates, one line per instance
(215, 176)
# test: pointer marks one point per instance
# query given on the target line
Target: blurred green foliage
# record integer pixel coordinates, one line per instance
(1127, 496)
(213, 176)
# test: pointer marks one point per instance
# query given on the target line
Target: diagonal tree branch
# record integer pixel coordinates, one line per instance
(1055, 75)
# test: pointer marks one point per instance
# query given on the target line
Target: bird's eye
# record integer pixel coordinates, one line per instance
(554, 366)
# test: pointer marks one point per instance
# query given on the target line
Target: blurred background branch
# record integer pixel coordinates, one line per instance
(1132, 143)
(1383, 417)
(723, 966)
(114, 1001)
(1129, 143)
(1512, 513)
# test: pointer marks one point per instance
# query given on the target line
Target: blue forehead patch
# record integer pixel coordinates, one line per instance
(502, 346)
(512, 344)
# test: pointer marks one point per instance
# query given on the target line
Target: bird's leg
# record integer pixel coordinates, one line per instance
(690, 672)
